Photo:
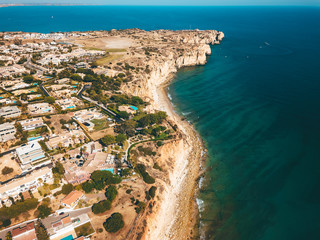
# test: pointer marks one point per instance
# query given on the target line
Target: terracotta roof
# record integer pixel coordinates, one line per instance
(28, 236)
(65, 220)
(72, 197)
(20, 230)
(26, 195)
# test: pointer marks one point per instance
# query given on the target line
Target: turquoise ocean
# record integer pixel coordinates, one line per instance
(256, 104)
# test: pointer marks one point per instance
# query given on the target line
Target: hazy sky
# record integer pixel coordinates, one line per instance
(174, 2)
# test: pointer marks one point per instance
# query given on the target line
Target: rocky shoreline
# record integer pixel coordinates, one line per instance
(177, 215)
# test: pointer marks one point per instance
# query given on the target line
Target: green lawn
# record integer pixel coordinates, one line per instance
(116, 50)
(107, 59)
(84, 230)
(100, 124)
(32, 133)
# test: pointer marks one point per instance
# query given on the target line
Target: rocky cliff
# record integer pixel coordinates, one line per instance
(189, 49)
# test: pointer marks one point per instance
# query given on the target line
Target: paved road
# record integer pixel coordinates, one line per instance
(84, 87)
(44, 90)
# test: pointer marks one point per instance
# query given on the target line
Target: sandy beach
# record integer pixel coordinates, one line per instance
(178, 212)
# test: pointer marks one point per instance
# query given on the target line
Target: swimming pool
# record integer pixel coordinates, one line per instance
(70, 237)
(109, 169)
(70, 107)
(33, 138)
(134, 108)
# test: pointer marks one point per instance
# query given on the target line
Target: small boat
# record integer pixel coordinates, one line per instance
(51, 16)
(266, 43)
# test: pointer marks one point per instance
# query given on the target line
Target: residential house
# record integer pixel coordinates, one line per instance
(72, 199)
(7, 132)
(29, 182)
(31, 124)
(27, 232)
(10, 112)
(31, 156)
(40, 108)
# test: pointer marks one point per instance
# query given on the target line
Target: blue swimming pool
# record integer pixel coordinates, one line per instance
(70, 107)
(33, 138)
(109, 169)
(134, 108)
(70, 237)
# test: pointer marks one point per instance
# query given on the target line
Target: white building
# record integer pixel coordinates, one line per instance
(30, 124)
(31, 156)
(7, 132)
(29, 182)
(40, 108)
(10, 112)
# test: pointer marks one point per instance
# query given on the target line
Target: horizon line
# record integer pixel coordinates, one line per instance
(131, 5)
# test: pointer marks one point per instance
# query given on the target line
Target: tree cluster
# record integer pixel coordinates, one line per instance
(114, 223)
(141, 169)
(99, 179)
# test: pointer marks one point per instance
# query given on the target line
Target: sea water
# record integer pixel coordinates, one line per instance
(256, 104)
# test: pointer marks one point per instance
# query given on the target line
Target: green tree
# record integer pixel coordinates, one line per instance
(121, 138)
(44, 211)
(114, 223)
(76, 77)
(58, 168)
(64, 74)
(6, 222)
(101, 206)
(141, 169)
(123, 114)
(49, 99)
(6, 170)
(28, 79)
(87, 186)
(41, 231)
(9, 236)
(107, 140)
(67, 188)
(111, 193)
(152, 191)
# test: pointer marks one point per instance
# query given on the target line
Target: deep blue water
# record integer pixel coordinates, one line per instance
(256, 104)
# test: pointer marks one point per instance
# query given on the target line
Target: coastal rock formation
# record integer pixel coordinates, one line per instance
(174, 216)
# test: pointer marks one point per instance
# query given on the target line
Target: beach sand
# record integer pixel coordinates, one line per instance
(177, 215)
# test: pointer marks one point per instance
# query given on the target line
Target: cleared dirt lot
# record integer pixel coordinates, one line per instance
(55, 121)
(105, 43)
(5, 161)
(96, 135)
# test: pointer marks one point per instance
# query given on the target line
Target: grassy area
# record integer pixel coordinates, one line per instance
(140, 115)
(116, 50)
(33, 133)
(107, 59)
(100, 124)
(44, 189)
(92, 48)
(84, 230)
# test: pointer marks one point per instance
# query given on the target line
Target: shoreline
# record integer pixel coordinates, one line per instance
(185, 222)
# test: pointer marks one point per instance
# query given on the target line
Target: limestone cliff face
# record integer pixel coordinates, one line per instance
(195, 47)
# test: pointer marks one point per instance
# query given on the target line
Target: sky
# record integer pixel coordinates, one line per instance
(174, 2)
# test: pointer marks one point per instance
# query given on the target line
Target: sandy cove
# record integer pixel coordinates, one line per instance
(178, 211)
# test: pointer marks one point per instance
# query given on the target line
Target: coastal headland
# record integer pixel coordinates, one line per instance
(142, 63)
